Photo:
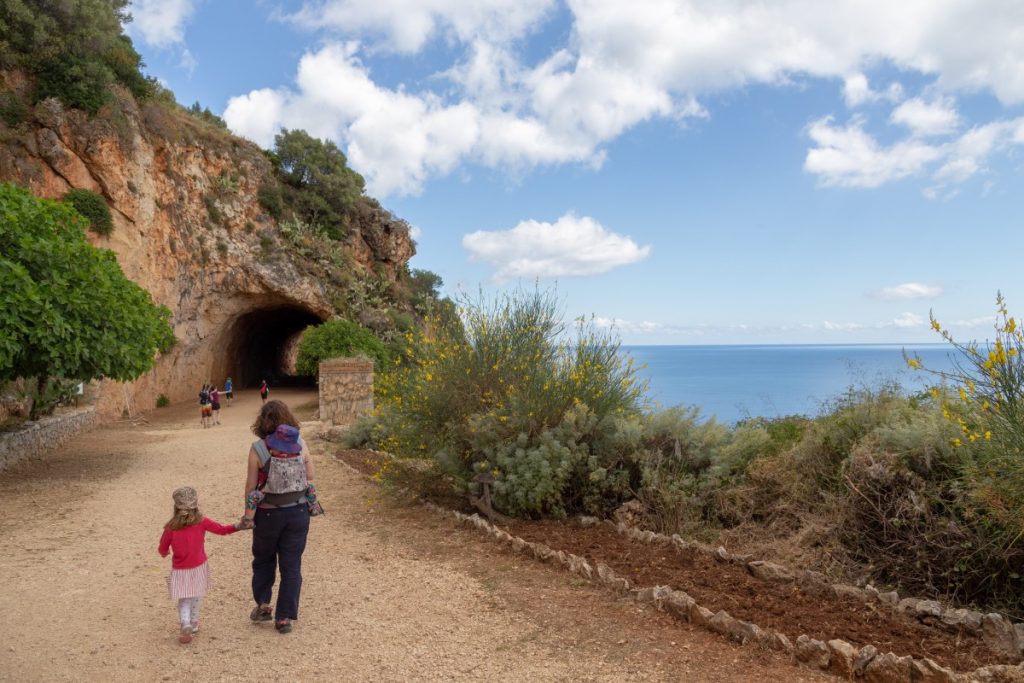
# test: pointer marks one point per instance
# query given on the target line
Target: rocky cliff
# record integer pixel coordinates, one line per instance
(189, 227)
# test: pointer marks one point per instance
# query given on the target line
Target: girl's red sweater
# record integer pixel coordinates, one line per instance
(189, 543)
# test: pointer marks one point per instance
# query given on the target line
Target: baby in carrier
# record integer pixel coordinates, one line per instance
(282, 475)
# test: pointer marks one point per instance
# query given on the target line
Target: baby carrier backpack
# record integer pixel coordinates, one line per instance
(282, 475)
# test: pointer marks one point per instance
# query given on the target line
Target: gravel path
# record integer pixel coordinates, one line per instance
(391, 593)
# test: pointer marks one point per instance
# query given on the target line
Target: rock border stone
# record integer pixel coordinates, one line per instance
(835, 656)
(37, 438)
(996, 630)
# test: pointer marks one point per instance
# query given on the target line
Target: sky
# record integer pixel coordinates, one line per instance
(680, 171)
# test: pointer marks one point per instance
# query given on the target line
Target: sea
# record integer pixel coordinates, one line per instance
(732, 383)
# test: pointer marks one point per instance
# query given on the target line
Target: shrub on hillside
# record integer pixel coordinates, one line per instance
(93, 207)
(337, 339)
(555, 420)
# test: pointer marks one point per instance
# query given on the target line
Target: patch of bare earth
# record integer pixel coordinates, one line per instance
(729, 587)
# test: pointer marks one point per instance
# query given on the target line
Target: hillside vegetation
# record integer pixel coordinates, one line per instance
(922, 492)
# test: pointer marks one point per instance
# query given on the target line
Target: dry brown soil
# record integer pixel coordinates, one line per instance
(392, 592)
(722, 586)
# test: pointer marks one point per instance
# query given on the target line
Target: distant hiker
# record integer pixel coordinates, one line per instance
(229, 390)
(264, 390)
(280, 473)
(215, 404)
(205, 407)
(185, 535)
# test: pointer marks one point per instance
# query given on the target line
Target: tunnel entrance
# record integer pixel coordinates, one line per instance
(261, 344)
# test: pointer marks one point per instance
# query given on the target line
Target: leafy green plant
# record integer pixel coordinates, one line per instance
(269, 196)
(553, 418)
(336, 339)
(213, 210)
(162, 401)
(12, 110)
(93, 207)
(66, 309)
(75, 49)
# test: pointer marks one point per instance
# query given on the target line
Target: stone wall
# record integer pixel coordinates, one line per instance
(346, 389)
(35, 438)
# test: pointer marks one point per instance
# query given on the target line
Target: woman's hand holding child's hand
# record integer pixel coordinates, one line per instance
(245, 523)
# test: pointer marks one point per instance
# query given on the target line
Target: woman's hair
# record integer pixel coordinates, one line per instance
(272, 414)
(184, 518)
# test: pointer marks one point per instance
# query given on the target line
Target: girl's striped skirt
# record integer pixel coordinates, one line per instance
(189, 583)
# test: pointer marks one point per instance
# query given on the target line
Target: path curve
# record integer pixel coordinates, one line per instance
(391, 592)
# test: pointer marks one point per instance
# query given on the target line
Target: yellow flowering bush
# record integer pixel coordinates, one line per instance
(509, 388)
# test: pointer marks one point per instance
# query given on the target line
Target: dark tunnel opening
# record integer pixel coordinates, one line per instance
(261, 345)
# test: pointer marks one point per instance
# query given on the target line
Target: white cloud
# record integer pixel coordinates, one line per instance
(570, 246)
(927, 118)
(628, 327)
(831, 326)
(857, 91)
(161, 23)
(909, 290)
(407, 25)
(849, 157)
(188, 61)
(907, 320)
(624, 64)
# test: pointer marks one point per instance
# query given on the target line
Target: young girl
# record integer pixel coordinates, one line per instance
(185, 534)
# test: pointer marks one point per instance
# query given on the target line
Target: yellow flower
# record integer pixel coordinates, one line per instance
(957, 443)
(988, 436)
(935, 325)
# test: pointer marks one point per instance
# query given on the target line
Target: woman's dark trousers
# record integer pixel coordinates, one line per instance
(278, 540)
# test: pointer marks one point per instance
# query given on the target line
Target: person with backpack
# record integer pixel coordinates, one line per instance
(278, 487)
(205, 406)
(215, 404)
(229, 390)
(264, 391)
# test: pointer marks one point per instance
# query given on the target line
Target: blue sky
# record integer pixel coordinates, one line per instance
(687, 171)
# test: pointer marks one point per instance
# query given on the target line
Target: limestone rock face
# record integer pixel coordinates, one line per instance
(189, 227)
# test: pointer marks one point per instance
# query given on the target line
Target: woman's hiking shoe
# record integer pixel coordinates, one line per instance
(283, 626)
(261, 613)
(186, 635)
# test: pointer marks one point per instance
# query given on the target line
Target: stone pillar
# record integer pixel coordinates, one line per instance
(346, 389)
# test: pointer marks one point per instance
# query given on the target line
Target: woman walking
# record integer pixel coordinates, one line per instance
(281, 521)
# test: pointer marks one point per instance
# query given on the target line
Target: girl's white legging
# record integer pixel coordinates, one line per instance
(188, 611)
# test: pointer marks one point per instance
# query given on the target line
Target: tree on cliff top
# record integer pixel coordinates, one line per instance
(66, 308)
(75, 49)
(319, 186)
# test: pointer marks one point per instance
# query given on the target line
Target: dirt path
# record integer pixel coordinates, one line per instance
(392, 592)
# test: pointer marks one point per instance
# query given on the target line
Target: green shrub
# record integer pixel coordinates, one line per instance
(162, 401)
(78, 82)
(555, 421)
(12, 110)
(213, 210)
(269, 196)
(363, 433)
(336, 339)
(93, 207)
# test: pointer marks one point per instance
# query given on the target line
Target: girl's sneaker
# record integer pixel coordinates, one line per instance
(195, 627)
(186, 635)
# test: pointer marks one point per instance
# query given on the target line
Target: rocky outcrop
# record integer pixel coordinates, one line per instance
(189, 227)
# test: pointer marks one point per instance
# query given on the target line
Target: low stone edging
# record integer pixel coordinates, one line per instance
(837, 657)
(36, 438)
(995, 630)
